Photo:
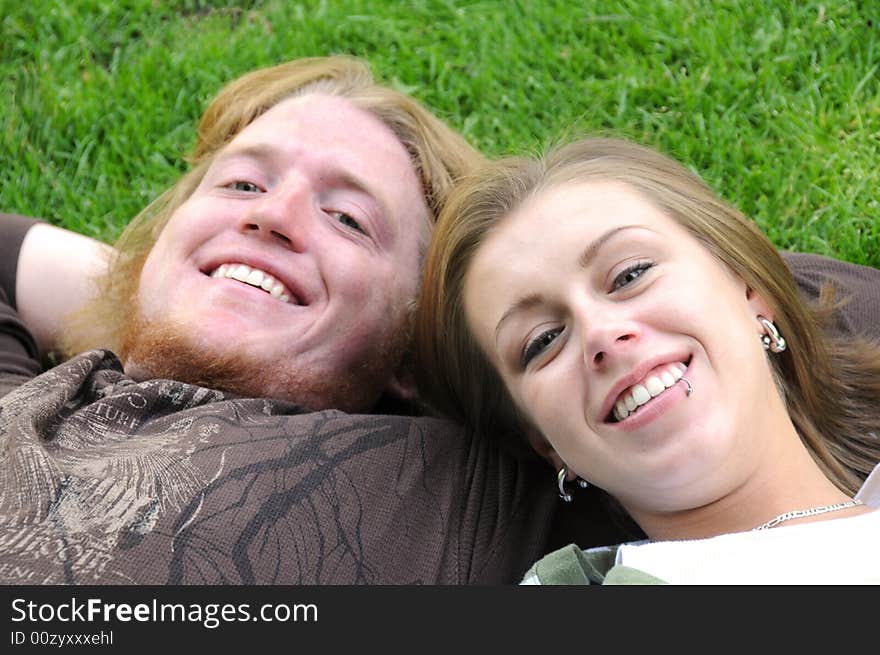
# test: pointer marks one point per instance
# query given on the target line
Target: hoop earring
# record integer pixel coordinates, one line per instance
(771, 338)
(560, 484)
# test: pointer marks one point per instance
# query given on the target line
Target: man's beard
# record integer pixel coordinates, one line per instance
(153, 349)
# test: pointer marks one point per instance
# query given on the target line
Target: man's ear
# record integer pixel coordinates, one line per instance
(402, 384)
(544, 449)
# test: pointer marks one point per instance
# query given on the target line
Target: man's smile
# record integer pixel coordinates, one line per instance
(256, 278)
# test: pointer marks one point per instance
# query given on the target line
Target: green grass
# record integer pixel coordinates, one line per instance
(775, 104)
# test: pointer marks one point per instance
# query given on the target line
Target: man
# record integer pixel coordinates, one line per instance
(311, 178)
(273, 280)
(265, 292)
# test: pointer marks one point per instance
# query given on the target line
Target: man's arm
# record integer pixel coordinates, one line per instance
(19, 355)
(55, 275)
(858, 286)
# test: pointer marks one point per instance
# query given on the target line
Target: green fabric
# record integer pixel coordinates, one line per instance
(570, 565)
(621, 574)
(561, 567)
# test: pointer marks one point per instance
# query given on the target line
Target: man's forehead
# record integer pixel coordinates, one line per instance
(332, 123)
(325, 121)
(348, 146)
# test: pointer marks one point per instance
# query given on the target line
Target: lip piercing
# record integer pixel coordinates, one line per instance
(690, 389)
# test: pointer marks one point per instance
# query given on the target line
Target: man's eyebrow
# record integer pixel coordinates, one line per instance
(381, 221)
(268, 152)
(589, 253)
(260, 151)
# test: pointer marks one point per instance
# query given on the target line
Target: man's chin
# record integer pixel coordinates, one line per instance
(154, 350)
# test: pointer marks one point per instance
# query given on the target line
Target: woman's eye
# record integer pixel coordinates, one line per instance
(538, 345)
(348, 221)
(630, 275)
(244, 186)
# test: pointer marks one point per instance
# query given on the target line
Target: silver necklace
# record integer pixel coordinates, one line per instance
(801, 513)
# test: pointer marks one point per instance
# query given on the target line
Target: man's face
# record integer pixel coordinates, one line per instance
(295, 259)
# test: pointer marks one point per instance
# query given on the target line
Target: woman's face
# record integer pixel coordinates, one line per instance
(586, 300)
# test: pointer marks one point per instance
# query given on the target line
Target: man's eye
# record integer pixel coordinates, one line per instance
(348, 221)
(244, 186)
(538, 345)
(630, 275)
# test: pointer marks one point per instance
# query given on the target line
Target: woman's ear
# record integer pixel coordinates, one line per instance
(758, 307)
(544, 449)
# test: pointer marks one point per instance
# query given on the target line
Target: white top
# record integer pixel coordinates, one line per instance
(833, 551)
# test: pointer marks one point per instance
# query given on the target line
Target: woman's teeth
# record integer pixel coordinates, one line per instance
(637, 395)
(254, 277)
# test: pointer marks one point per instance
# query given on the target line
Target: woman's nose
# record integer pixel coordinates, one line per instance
(605, 335)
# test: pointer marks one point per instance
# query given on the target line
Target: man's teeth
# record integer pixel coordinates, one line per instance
(651, 387)
(255, 277)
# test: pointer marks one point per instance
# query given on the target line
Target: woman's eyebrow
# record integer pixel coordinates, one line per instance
(521, 304)
(592, 248)
(589, 253)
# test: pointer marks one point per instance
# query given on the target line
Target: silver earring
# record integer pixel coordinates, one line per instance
(771, 339)
(560, 484)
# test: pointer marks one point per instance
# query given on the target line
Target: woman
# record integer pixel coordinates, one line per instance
(647, 339)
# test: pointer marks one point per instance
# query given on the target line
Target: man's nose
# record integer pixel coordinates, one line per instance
(282, 214)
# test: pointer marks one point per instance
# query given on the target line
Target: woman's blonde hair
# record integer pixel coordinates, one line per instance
(831, 387)
(439, 156)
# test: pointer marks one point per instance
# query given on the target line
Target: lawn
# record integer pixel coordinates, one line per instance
(775, 104)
